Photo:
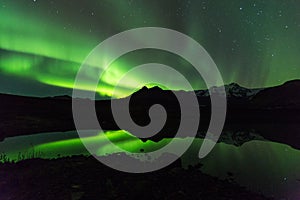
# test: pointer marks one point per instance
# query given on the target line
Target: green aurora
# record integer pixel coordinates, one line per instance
(253, 43)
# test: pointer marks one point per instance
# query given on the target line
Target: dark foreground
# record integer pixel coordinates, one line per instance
(85, 178)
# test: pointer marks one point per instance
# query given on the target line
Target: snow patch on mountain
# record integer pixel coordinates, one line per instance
(231, 90)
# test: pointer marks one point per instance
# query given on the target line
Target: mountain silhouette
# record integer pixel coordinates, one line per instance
(251, 113)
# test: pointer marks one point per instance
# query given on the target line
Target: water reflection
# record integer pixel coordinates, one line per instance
(262, 166)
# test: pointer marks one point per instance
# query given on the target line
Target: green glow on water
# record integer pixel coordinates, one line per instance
(121, 139)
(262, 166)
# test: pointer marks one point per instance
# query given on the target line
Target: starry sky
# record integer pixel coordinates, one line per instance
(44, 42)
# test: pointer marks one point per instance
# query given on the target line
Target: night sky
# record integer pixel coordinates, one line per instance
(43, 43)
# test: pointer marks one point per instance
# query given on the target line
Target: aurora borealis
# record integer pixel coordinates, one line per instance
(254, 43)
(43, 43)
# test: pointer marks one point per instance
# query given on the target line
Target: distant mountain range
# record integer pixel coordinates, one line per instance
(232, 90)
(267, 113)
(286, 96)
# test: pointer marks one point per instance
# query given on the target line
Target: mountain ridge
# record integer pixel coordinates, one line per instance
(21, 115)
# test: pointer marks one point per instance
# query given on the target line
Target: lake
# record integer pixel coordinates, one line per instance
(262, 166)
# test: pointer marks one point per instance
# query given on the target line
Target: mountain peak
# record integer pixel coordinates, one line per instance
(145, 88)
(234, 85)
